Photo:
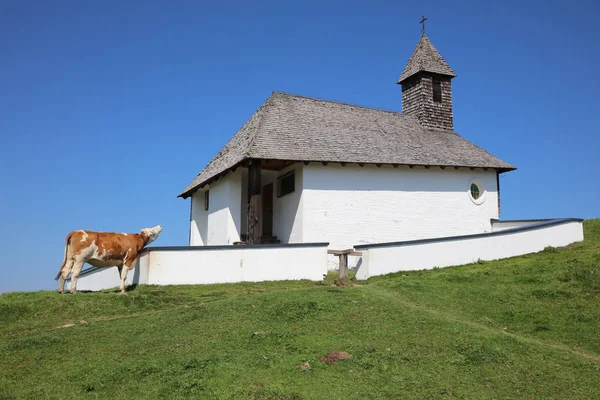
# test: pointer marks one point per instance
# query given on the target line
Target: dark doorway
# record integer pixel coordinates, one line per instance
(267, 210)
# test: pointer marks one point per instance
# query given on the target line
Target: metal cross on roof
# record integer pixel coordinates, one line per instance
(423, 19)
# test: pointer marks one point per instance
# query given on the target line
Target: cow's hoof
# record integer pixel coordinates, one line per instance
(122, 293)
(59, 291)
(72, 291)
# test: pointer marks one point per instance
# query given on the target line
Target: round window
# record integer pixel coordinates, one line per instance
(476, 192)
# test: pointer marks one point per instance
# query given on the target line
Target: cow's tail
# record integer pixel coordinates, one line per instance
(67, 244)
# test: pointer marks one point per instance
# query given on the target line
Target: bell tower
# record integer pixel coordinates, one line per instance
(426, 86)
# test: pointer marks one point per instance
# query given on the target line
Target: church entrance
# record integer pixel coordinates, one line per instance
(267, 210)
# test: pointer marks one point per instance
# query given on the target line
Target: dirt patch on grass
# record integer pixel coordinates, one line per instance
(342, 282)
(304, 366)
(591, 356)
(335, 356)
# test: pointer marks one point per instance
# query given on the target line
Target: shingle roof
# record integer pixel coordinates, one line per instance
(425, 58)
(295, 128)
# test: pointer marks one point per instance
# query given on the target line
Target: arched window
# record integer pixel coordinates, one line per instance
(437, 91)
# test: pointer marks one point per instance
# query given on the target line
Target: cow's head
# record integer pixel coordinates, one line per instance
(151, 233)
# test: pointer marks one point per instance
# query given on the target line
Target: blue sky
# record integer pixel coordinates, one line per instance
(109, 108)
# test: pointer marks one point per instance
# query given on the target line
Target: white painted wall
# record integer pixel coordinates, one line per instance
(288, 209)
(354, 205)
(199, 220)
(237, 265)
(204, 265)
(222, 222)
(503, 225)
(358, 205)
(417, 256)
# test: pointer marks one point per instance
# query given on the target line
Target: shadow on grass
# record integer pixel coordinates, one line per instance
(131, 287)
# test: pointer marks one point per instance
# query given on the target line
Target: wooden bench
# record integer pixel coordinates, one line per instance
(343, 256)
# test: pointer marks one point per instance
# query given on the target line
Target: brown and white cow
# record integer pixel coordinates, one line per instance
(102, 249)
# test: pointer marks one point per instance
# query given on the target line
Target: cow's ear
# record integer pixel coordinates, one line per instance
(144, 238)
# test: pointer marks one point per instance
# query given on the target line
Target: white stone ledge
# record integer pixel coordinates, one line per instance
(531, 237)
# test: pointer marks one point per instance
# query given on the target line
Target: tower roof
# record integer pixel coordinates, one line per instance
(425, 58)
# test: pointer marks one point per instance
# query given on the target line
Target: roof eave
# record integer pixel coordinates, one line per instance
(407, 77)
(188, 193)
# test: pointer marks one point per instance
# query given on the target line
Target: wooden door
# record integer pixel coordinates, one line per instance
(267, 210)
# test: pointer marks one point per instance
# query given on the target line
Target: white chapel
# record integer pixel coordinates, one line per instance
(306, 170)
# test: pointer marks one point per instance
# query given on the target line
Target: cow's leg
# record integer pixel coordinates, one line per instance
(128, 264)
(123, 272)
(64, 274)
(77, 266)
(120, 268)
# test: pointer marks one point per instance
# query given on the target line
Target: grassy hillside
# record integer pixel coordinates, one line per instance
(526, 327)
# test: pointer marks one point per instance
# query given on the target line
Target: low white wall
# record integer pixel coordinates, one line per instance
(381, 259)
(94, 279)
(237, 264)
(216, 264)
(498, 225)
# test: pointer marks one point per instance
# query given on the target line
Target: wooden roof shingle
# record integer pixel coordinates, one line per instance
(295, 128)
(425, 58)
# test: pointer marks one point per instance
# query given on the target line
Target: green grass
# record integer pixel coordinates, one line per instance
(526, 327)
